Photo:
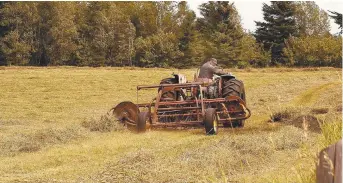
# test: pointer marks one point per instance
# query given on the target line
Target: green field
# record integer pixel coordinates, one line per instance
(42, 138)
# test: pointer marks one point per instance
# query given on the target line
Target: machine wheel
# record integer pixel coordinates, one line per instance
(143, 118)
(211, 121)
(127, 113)
(169, 94)
(168, 81)
(233, 87)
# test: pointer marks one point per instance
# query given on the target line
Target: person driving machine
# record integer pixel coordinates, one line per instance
(208, 69)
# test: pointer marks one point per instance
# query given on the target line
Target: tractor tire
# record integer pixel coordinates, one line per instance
(211, 121)
(168, 81)
(143, 118)
(170, 94)
(234, 87)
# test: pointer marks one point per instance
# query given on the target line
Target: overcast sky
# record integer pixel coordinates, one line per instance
(251, 11)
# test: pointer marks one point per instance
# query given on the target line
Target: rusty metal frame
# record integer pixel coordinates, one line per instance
(176, 106)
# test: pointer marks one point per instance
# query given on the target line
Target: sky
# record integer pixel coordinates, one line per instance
(251, 11)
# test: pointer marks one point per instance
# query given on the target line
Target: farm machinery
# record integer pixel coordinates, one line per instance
(220, 102)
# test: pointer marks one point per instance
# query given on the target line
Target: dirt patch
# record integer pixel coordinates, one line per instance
(306, 122)
(281, 116)
(339, 108)
(294, 118)
(320, 111)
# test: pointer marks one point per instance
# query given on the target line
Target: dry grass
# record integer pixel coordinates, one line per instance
(106, 123)
(51, 119)
(11, 145)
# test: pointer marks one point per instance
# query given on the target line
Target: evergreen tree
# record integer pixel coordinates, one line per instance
(187, 37)
(3, 31)
(106, 35)
(222, 31)
(22, 20)
(278, 26)
(338, 19)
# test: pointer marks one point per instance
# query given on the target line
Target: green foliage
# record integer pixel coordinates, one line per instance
(21, 19)
(156, 34)
(310, 19)
(222, 31)
(253, 53)
(158, 50)
(3, 31)
(314, 51)
(106, 35)
(279, 25)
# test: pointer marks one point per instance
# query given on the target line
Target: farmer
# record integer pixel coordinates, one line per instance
(208, 69)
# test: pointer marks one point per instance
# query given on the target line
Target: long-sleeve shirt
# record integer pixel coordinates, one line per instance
(207, 70)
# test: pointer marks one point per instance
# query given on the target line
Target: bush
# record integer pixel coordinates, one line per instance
(314, 51)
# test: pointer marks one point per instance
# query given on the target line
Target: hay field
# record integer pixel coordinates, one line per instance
(43, 139)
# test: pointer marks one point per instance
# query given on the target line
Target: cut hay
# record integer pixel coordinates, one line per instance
(106, 123)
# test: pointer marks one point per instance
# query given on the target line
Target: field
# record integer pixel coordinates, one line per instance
(43, 136)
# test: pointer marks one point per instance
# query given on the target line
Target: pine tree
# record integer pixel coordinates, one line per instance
(222, 31)
(278, 26)
(22, 20)
(187, 36)
(3, 31)
(106, 35)
(338, 19)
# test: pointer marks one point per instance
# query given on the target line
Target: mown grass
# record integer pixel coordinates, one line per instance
(53, 128)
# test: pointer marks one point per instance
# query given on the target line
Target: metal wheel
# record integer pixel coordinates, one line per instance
(211, 121)
(143, 119)
(127, 113)
(168, 95)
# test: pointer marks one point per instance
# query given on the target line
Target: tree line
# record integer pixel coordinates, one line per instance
(165, 34)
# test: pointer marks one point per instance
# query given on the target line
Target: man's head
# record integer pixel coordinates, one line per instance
(213, 61)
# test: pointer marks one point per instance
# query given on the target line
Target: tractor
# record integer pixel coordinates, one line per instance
(178, 103)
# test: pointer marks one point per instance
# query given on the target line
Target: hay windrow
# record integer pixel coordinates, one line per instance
(36, 140)
(106, 123)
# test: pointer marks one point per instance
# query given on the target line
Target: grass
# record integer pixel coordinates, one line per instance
(54, 128)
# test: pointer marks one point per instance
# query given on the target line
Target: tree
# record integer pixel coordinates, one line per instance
(158, 50)
(222, 31)
(314, 51)
(3, 31)
(338, 19)
(188, 37)
(20, 41)
(278, 26)
(310, 19)
(60, 17)
(106, 35)
(253, 53)
(39, 33)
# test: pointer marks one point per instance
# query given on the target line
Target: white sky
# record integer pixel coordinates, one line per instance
(251, 11)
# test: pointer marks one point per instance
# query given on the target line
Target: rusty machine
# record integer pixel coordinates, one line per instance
(220, 102)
